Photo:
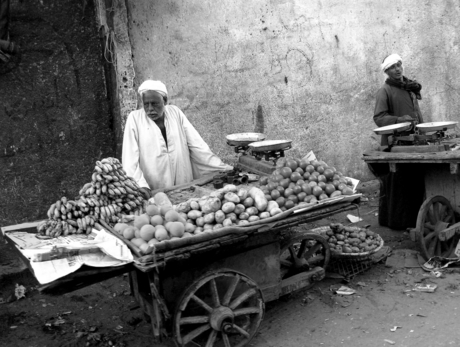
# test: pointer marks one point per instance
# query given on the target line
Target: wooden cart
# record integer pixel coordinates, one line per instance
(439, 211)
(213, 293)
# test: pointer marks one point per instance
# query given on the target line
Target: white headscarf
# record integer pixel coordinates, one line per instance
(156, 86)
(390, 60)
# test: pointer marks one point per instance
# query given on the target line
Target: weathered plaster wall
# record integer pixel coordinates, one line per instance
(313, 66)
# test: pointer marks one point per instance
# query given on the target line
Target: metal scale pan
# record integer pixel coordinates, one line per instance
(270, 145)
(244, 139)
(435, 126)
(391, 129)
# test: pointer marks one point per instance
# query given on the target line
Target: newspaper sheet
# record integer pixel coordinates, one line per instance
(55, 258)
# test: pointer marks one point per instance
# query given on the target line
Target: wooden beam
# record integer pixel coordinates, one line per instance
(454, 168)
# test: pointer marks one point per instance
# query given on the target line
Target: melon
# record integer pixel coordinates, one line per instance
(140, 221)
(152, 210)
(147, 232)
(119, 227)
(176, 229)
(156, 220)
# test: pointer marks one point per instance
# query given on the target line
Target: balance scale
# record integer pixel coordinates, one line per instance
(255, 154)
(417, 138)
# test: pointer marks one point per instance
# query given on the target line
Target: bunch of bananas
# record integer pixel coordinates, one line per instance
(110, 195)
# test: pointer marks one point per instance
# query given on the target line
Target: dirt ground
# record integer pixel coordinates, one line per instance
(104, 314)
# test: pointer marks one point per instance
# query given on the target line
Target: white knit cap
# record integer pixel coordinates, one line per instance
(156, 86)
(390, 60)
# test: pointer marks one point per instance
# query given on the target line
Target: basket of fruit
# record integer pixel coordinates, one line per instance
(350, 242)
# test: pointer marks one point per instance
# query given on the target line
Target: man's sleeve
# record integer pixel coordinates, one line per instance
(382, 114)
(130, 154)
(202, 159)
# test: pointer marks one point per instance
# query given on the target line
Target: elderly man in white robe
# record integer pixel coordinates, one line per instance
(161, 148)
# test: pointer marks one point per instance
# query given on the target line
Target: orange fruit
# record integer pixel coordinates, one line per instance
(300, 182)
(280, 201)
(323, 196)
(280, 190)
(317, 191)
(137, 232)
(329, 174)
(281, 162)
(322, 178)
(140, 221)
(263, 180)
(310, 168)
(347, 191)
(277, 178)
(145, 248)
(301, 196)
(271, 186)
(322, 185)
(303, 164)
(152, 210)
(164, 209)
(297, 189)
(313, 178)
(161, 234)
(286, 172)
(295, 176)
(289, 204)
(306, 189)
(156, 220)
(288, 191)
(119, 227)
(147, 232)
(291, 163)
(299, 170)
(128, 233)
(172, 216)
(306, 175)
(268, 197)
(293, 198)
(176, 229)
(329, 189)
(320, 169)
(275, 194)
(138, 241)
(342, 186)
(312, 184)
(285, 183)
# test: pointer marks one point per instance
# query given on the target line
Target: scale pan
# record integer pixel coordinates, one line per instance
(244, 139)
(390, 129)
(435, 126)
(270, 145)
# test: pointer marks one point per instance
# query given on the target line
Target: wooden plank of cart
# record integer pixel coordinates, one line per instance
(211, 289)
(436, 232)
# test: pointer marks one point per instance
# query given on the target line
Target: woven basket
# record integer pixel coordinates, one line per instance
(355, 256)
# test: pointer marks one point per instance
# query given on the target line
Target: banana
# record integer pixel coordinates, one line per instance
(83, 223)
(111, 186)
(98, 177)
(63, 210)
(108, 167)
(41, 226)
(58, 205)
(90, 201)
(57, 213)
(122, 190)
(98, 191)
(50, 212)
(105, 168)
(88, 220)
(132, 203)
(112, 209)
(104, 189)
(127, 206)
(90, 190)
(88, 230)
(64, 200)
(72, 222)
(110, 191)
(115, 178)
(116, 191)
(129, 190)
(107, 177)
(97, 169)
(117, 184)
(79, 223)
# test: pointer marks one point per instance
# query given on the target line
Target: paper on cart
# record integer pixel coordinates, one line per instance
(110, 252)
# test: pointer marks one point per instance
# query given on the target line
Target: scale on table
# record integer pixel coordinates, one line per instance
(413, 137)
(255, 154)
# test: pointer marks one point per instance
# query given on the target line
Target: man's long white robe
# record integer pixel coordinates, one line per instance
(148, 160)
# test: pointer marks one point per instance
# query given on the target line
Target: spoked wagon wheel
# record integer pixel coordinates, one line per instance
(435, 215)
(222, 308)
(302, 253)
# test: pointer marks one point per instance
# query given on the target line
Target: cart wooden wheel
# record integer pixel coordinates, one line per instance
(303, 252)
(435, 215)
(222, 308)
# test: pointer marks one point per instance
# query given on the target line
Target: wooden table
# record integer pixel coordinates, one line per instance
(442, 193)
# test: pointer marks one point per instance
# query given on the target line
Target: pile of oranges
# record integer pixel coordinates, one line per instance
(295, 181)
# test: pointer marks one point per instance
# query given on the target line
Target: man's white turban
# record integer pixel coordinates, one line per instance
(390, 60)
(156, 86)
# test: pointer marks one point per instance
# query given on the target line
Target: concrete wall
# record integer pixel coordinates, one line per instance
(313, 66)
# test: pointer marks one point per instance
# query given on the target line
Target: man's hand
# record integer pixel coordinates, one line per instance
(405, 118)
(145, 193)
